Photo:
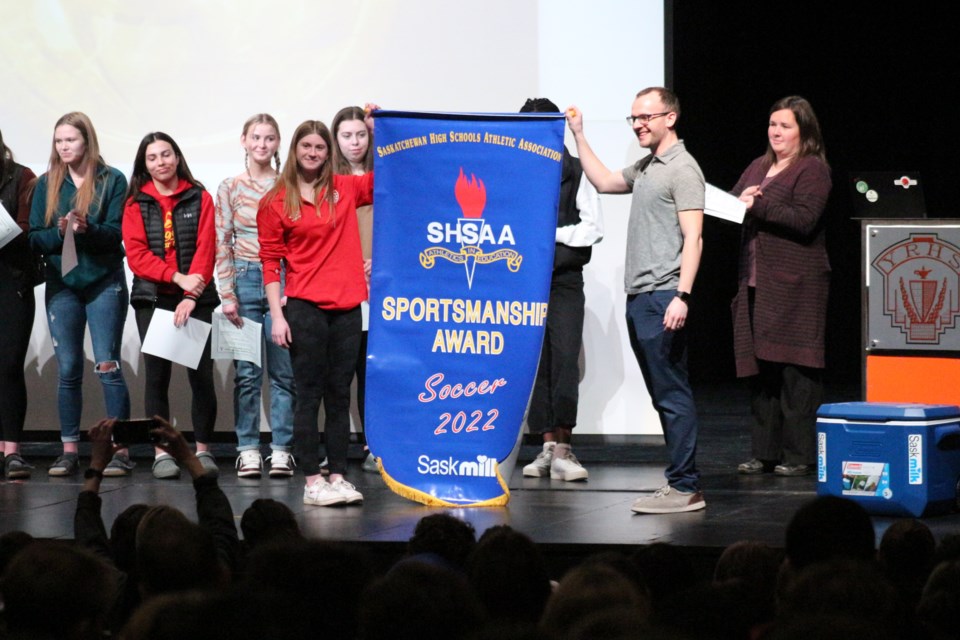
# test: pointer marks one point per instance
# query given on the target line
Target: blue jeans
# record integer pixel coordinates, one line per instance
(102, 307)
(248, 380)
(662, 356)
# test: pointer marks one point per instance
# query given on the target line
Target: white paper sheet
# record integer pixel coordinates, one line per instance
(231, 343)
(68, 255)
(9, 229)
(721, 204)
(365, 315)
(183, 346)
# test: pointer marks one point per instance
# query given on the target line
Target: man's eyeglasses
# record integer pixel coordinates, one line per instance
(645, 118)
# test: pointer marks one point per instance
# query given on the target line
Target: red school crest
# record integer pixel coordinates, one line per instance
(921, 286)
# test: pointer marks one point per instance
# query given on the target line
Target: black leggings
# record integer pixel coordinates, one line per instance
(323, 353)
(362, 377)
(156, 394)
(18, 311)
(556, 390)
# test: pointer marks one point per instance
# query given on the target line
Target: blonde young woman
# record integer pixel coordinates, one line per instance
(240, 277)
(80, 197)
(308, 222)
(351, 156)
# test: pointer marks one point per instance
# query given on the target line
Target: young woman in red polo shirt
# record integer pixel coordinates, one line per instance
(309, 221)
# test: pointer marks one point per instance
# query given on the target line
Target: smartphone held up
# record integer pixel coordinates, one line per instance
(136, 431)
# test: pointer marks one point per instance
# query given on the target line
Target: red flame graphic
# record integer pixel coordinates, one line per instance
(471, 195)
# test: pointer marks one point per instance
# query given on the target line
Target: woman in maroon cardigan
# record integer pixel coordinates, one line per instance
(779, 313)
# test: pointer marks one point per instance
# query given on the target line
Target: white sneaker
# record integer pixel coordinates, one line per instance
(540, 467)
(348, 491)
(281, 464)
(249, 464)
(370, 464)
(565, 465)
(322, 494)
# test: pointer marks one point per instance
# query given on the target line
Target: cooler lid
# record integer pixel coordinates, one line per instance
(884, 411)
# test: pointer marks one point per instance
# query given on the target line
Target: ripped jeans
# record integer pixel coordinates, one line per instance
(102, 307)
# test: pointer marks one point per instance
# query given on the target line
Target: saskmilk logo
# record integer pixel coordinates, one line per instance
(482, 467)
(921, 286)
(479, 242)
(915, 458)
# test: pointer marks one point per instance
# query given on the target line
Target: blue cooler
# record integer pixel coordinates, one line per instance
(893, 459)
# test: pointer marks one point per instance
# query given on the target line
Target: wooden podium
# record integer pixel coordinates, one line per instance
(911, 310)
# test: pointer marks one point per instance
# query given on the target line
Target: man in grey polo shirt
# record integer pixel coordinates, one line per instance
(663, 253)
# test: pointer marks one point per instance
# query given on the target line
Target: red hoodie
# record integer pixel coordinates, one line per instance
(144, 263)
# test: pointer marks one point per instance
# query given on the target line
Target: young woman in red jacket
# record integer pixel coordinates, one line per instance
(169, 235)
(309, 221)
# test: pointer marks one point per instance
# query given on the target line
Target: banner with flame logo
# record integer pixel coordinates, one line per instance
(464, 230)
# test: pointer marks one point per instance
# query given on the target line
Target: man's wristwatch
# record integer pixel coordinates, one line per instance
(683, 295)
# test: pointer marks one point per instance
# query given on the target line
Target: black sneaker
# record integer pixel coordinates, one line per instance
(119, 466)
(791, 470)
(16, 468)
(756, 466)
(67, 464)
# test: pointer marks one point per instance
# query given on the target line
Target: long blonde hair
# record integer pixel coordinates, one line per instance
(57, 170)
(289, 177)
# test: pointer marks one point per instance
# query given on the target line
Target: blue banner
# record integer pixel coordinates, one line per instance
(464, 226)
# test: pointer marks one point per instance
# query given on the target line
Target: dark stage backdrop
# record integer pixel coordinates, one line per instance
(878, 75)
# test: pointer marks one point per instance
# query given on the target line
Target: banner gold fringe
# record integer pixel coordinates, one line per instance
(416, 495)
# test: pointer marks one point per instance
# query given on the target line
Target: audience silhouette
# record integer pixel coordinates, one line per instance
(160, 574)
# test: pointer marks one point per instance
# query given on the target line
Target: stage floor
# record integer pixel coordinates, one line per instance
(566, 519)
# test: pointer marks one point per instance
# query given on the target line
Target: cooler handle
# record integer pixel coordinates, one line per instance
(947, 437)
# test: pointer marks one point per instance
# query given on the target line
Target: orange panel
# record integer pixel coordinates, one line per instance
(913, 379)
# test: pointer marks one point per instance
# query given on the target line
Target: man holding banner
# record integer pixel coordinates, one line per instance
(664, 244)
